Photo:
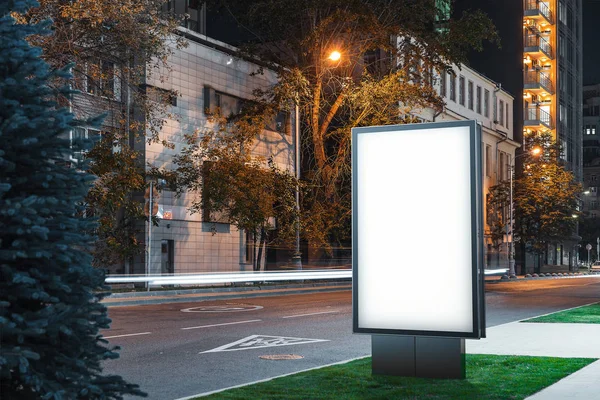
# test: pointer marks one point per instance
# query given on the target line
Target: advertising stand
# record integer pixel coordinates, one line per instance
(417, 244)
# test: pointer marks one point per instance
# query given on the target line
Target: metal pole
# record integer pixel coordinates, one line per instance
(598, 249)
(297, 258)
(149, 246)
(511, 256)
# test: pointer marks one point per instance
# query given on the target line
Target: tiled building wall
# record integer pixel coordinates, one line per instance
(204, 246)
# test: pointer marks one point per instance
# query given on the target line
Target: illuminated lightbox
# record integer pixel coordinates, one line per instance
(417, 230)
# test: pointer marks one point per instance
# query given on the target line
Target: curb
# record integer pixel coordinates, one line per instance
(197, 295)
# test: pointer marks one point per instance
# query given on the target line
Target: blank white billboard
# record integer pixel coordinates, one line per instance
(416, 199)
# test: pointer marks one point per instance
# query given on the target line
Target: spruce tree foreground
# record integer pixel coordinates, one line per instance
(50, 312)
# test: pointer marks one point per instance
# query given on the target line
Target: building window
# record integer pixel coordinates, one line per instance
(593, 215)
(452, 87)
(501, 112)
(161, 96)
(443, 79)
(486, 104)
(101, 80)
(478, 99)
(501, 164)
(488, 161)
(470, 95)
(461, 91)
(594, 177)
(80, 139)
(506, 115)
(593, 205)
(593, 189)
(227, 104)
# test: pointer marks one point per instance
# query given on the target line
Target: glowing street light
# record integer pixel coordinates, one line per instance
(335, 55)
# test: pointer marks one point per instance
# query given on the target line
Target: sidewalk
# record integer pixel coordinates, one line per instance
(550, 340)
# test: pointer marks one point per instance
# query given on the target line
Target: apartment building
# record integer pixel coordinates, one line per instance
(552, 75)
(469, 95)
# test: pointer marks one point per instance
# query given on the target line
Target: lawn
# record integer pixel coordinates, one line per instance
(488, 377)
(589, 314)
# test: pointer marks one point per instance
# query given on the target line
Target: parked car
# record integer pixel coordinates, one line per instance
(595, 266)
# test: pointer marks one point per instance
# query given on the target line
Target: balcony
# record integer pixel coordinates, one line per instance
(538, 82)
(537, 47)
(536, 9)
(535, 117)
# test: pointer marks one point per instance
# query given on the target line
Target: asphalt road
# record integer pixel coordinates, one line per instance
(216, 344)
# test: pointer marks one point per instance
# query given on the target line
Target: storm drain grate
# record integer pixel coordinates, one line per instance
(281, 357)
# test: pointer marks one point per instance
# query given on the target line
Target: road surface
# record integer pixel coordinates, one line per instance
(178, 350)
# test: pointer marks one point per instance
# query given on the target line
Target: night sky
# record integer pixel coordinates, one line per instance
(591, 42)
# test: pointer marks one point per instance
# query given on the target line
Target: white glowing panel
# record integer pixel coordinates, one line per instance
(413, 210)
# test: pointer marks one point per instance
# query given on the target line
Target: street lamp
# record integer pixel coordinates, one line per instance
(297, 257)
(536, 151)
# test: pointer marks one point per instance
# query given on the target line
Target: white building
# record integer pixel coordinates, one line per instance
(204, 74)
(469, 95)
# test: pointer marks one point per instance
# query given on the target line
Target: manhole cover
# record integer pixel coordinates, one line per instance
(225, 308)
(281, 357)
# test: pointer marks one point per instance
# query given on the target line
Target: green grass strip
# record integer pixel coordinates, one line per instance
(589, 314)
(488, 377)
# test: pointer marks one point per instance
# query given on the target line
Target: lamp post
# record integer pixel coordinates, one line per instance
(511, 251)
(297, 257)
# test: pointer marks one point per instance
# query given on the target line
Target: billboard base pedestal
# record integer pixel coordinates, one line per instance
(418, 356)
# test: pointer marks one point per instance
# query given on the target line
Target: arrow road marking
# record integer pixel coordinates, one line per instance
(262, 341)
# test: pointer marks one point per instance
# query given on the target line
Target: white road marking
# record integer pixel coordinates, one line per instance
(262, 341)
(228, 323)
(129, 334)
(306, 315)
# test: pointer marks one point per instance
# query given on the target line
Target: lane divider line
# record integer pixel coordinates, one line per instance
(129, 334)
(306, 315)
(228, 323)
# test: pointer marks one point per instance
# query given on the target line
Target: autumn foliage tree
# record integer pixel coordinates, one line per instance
(234, 185)
(389, 52)
(545, 198)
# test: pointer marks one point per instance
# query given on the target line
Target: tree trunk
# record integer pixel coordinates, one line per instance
(263, 239)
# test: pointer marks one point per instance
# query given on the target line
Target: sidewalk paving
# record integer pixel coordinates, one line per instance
(550, 340)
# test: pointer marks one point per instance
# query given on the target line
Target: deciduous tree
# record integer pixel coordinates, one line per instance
(389, 51)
